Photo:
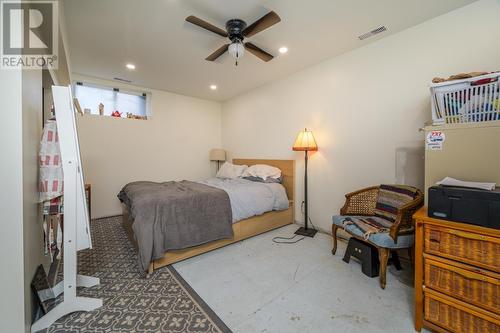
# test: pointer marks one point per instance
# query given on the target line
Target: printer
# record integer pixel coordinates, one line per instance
(465, 205)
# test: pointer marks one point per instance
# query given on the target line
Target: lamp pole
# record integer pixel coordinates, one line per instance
(306, 216)
(305, 231)
(305, 142)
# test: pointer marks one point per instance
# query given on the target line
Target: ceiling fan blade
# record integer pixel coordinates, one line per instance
(220, 51)
(258, 52)
(205, 25)
(263, 23)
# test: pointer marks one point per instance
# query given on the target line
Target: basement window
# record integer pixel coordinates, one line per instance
(111, 102)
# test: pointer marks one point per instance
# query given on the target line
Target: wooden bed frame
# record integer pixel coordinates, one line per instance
(242, 229)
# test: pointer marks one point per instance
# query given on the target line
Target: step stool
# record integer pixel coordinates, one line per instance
(368, 255)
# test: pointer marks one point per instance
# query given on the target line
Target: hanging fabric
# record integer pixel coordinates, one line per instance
(51, 183)
(51, 172)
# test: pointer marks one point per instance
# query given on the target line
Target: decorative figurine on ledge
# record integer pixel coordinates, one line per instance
(116, 114)
(133, 116)
(101, 109)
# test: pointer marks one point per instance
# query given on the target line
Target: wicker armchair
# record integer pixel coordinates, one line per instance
(401, 234)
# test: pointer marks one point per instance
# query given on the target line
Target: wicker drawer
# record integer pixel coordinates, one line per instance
(472, 248)
(463, 282)
(456, 316)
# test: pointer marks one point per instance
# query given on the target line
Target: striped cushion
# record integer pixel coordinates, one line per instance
(392, 197)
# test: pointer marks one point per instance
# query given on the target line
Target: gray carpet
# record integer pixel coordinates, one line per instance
(163, 302)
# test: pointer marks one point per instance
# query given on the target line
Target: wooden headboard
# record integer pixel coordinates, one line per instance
(287, 168)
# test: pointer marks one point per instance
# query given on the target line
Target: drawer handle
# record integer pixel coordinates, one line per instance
(466, 234)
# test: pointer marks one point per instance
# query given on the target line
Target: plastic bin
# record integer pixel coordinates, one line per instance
(466, 101)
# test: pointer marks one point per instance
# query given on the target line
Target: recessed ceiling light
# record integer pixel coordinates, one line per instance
(283, 49)
(213, 87)
(130, 66)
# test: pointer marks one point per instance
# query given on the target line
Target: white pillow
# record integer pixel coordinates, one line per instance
(229, 170)
(262, 171)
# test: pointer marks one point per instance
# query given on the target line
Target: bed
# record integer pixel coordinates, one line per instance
(241, 229)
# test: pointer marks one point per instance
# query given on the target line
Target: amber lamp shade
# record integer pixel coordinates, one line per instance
(305, 141)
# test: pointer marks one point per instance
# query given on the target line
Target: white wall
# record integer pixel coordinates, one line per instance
(11, 203)
(32, 228)
(364, 107)
(22, 246)
(172, 145)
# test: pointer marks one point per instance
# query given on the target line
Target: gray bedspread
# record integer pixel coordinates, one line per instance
(175, 215)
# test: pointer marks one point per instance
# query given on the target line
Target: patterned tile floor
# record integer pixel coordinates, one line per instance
(162, 302)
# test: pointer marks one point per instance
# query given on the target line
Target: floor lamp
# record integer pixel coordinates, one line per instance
(305, 142)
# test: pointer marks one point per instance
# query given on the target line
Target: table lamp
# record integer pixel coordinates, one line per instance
(305, 142)
(218, 155)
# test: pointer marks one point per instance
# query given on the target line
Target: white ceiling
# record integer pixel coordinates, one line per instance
(169, 53)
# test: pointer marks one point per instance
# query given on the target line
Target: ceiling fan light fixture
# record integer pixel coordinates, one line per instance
(236, 50)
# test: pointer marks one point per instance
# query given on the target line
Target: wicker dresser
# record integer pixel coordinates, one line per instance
(457, 276)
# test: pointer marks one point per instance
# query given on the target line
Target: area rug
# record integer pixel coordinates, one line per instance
(162, 302)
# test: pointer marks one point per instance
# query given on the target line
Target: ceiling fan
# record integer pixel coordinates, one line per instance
(237, 30)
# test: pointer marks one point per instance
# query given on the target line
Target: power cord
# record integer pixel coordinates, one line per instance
(292, 240)
(313, 226)
(309, 218)
(287, 240)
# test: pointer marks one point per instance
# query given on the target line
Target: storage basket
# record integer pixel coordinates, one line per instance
(466, 101)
